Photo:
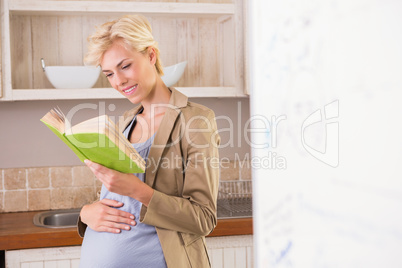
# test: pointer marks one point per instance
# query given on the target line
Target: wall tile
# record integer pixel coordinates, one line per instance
(229, 170)
(245, 170)
(98, 190)
(61, 176)
(38, 178)
(15, 201)
(70, 187)
(62, 198)
(83, 196)
(47, 188)
(98, 183)
(1, 179)
(82, 176)
(1, 202)
(15, 179)
(38, 199)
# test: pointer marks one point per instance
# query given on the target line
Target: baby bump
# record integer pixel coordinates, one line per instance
(101, 249)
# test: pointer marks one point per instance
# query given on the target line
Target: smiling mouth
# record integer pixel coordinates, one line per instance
(130, 90)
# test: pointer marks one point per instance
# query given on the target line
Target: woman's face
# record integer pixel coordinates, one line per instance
(131, 73)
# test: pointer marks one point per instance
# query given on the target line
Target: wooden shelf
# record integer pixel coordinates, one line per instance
(208, 35)
(110, 93)
(30, 7)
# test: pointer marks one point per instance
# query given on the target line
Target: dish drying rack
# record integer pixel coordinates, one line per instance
(235, 199)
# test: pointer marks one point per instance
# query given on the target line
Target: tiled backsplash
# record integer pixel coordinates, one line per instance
(28, 189)
(235, 170)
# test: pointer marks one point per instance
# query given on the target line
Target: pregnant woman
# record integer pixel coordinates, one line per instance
(158, 218)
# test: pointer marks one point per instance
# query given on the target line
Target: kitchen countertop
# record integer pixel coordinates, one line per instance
(17, 231)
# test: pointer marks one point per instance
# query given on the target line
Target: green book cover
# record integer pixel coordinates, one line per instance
(98, 140)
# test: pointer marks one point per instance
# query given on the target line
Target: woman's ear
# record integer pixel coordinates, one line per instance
(152, 55)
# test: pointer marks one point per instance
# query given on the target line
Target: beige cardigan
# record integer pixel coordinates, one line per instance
(183, 168)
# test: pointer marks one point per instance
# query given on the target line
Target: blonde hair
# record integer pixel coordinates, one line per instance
(134, 30)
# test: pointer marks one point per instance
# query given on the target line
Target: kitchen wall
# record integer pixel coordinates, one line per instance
(38, 171)
(27, 142)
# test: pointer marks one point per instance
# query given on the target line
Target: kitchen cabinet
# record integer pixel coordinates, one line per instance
(66, 257)
(228, 251)
(208, 35)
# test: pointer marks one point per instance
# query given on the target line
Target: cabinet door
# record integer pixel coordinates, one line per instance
(44, 257)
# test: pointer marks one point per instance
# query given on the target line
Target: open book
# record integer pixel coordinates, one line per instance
(98, 140)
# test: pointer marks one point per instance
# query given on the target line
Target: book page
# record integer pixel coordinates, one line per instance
(93, 125)
(56, 119)
(124, 145)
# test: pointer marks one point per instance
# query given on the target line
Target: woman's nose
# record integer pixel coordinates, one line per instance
(120, 79)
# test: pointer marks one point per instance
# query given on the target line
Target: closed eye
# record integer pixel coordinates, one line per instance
(126, 66)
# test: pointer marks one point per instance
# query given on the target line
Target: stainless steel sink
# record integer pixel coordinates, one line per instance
(57, 218)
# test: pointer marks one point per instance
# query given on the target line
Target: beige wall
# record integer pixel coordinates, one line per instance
(25, 142)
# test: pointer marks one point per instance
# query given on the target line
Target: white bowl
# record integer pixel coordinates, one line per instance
(173, 73)
(71, 76)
